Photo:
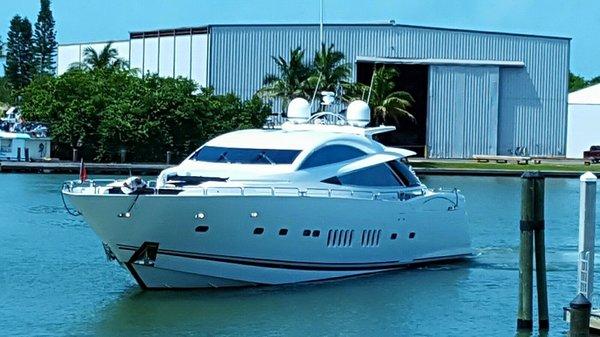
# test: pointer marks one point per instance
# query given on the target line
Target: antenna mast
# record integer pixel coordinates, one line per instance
(312, 101)
(321, 24)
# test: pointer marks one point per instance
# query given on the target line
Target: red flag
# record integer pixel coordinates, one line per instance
(82, 171)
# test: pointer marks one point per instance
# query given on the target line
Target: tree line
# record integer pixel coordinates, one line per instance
(577, 82)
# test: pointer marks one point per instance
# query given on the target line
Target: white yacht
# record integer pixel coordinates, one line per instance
(317, 199)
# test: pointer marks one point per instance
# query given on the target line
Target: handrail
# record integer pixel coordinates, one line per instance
(269, 190)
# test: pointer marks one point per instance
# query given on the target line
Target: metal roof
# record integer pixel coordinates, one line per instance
(589, 95)
(205, 28)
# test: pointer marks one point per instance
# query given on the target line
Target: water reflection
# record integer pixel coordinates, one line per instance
(368, 305)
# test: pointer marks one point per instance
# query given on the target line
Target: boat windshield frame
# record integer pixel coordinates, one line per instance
(247, 156)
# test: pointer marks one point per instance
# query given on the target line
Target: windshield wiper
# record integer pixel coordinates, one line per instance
(224, 156)
(265, 157)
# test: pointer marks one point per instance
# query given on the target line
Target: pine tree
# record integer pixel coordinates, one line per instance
(44, 40)
(19, 68)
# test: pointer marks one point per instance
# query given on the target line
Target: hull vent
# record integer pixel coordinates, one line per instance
(340, 238)
(370, 237)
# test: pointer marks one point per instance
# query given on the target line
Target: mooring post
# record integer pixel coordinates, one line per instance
(168, 157)
(75, 155)
(524, 313)
(538, 225)
(587, 234)
(579, 322)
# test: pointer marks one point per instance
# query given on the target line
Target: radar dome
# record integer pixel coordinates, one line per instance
(298, 111)
(358, 113)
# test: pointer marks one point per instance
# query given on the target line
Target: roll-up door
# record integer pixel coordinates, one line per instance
(462, 118)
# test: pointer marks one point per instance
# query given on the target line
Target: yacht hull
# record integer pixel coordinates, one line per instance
(196, 241)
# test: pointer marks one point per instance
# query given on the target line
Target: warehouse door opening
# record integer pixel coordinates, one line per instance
(413, 79)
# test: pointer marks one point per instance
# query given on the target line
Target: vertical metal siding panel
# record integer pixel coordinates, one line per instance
(463, 111)
(442, 112)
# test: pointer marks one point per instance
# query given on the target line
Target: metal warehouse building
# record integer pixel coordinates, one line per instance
(476, 92)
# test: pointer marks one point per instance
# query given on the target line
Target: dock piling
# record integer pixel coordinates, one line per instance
(580, 316)
(587, 233)
(168, 157)
(532, 230)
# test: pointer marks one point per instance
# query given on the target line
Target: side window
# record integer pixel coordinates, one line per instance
(404, 173)
(331, 154)
(375, 176)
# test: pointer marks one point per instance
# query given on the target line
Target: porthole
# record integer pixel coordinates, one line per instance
(283, 231)
(411, 235)
(202, 229)
(394, 236)
(258, 230)
(306, 232)
(316, 233)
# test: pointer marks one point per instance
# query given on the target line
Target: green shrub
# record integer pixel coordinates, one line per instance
(102, 111)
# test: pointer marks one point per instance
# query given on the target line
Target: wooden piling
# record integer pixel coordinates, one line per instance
(579, 325)
(524, 315)
(525, 309)
(168, 157)
(532, 230)
(540, 251)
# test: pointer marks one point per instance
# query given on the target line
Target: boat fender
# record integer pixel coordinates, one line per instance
(133, 184)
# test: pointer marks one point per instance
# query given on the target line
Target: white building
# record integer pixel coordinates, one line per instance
(583, 121)
(168, 53)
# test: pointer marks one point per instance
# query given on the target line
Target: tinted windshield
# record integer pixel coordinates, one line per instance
(331, 154)
(375, 176)
(215, 154)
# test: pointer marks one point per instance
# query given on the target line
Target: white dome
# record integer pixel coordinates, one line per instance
(298, 110)
(358, 113)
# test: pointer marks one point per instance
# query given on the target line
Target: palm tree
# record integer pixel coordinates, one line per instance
(330, 70)
(291, 82)
(107, 59)
(387, 104)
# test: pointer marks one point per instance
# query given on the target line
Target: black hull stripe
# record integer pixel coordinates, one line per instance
(312, 266)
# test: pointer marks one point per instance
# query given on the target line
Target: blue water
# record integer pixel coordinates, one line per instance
(55, 280)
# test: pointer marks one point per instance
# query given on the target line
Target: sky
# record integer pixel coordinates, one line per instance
(102, 20)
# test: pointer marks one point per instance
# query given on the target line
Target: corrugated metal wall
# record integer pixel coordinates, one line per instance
(462, 111)
(532, 106)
